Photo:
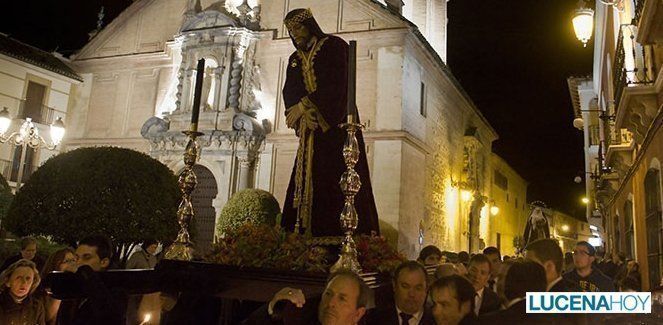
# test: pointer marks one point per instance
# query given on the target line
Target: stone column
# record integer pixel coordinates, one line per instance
(236, 71)
(246, 170)
(217, 74)
(185, 100)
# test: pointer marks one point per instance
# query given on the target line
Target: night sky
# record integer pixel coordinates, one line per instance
(511, 56)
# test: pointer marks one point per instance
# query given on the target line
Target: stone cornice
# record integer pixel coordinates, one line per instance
(110, 29)
(368, 136)
(212, 140)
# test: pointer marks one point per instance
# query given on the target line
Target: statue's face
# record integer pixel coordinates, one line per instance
(301, 35)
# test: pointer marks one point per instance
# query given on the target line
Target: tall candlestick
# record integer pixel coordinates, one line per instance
(352, 82)
(195, 110)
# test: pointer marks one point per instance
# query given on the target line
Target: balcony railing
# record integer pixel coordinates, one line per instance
(38, 112)
(632, 62)
(620, 137)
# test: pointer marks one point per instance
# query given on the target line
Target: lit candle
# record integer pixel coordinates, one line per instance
(195, 110)
(352, 82)
(146, 319)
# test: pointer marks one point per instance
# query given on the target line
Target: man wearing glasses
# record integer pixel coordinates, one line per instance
(589, 279)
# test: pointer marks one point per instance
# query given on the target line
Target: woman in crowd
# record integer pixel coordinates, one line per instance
(63, 260)
(144, 258)
(17, 304)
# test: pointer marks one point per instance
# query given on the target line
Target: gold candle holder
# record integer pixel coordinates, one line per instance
(350, 184)
(182, 248)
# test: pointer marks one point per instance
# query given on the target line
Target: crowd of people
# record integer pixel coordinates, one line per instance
(25, 300)
(484, 288)
(440, 287)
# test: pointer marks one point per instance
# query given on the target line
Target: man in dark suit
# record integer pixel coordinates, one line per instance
(522, 277)
(410, 289)
(478, 273)
(495, 258)
(343, 302)
(548, 254)
(453, 300)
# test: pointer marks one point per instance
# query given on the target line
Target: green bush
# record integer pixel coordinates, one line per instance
(121, 193)
(249, 206)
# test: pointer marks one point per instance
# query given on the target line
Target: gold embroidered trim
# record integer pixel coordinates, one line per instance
(307, 65)
(303, 197)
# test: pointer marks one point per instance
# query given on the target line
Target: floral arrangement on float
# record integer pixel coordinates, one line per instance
(271, 247)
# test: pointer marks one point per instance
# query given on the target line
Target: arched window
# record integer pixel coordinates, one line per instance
(628, 227)
(616, 234)
(654, 230)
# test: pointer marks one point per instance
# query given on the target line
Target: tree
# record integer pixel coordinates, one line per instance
(123, 194)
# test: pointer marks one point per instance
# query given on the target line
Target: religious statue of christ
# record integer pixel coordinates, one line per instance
(315, 96)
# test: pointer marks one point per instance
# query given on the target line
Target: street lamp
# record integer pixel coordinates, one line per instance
(494, 210)
(28, 135)
(583, 22)
(585, 200)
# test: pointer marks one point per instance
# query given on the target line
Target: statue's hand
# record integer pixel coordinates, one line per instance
(293, 114)
(310, 120)
(295, 296)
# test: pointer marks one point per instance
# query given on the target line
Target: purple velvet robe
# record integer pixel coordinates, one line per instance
(329, 63)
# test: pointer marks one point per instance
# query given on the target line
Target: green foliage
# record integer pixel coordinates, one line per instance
(249, 206)
(123, 194)
(268, 247)
(265, 246)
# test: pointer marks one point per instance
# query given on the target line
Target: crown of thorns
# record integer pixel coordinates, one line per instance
(298, 18)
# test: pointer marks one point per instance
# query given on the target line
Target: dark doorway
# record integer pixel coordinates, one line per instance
(205, 214)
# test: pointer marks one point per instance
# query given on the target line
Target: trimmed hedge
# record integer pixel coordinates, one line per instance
(249, 206)
(121, 193)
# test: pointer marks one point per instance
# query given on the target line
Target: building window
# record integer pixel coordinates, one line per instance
(34, 102)
(422, 99)
(653, 225)
(500, 180)
(618, 244)
(628, 223)
(28, 165)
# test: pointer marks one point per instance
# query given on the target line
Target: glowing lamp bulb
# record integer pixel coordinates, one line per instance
(5, 120)
(57, 131)
(494, 210)
(583, 23)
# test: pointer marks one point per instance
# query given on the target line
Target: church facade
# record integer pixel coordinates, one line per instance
(428, 146)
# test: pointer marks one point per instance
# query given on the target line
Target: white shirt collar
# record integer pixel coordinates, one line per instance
(552, 284)
(416, 316)
(480, 292)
